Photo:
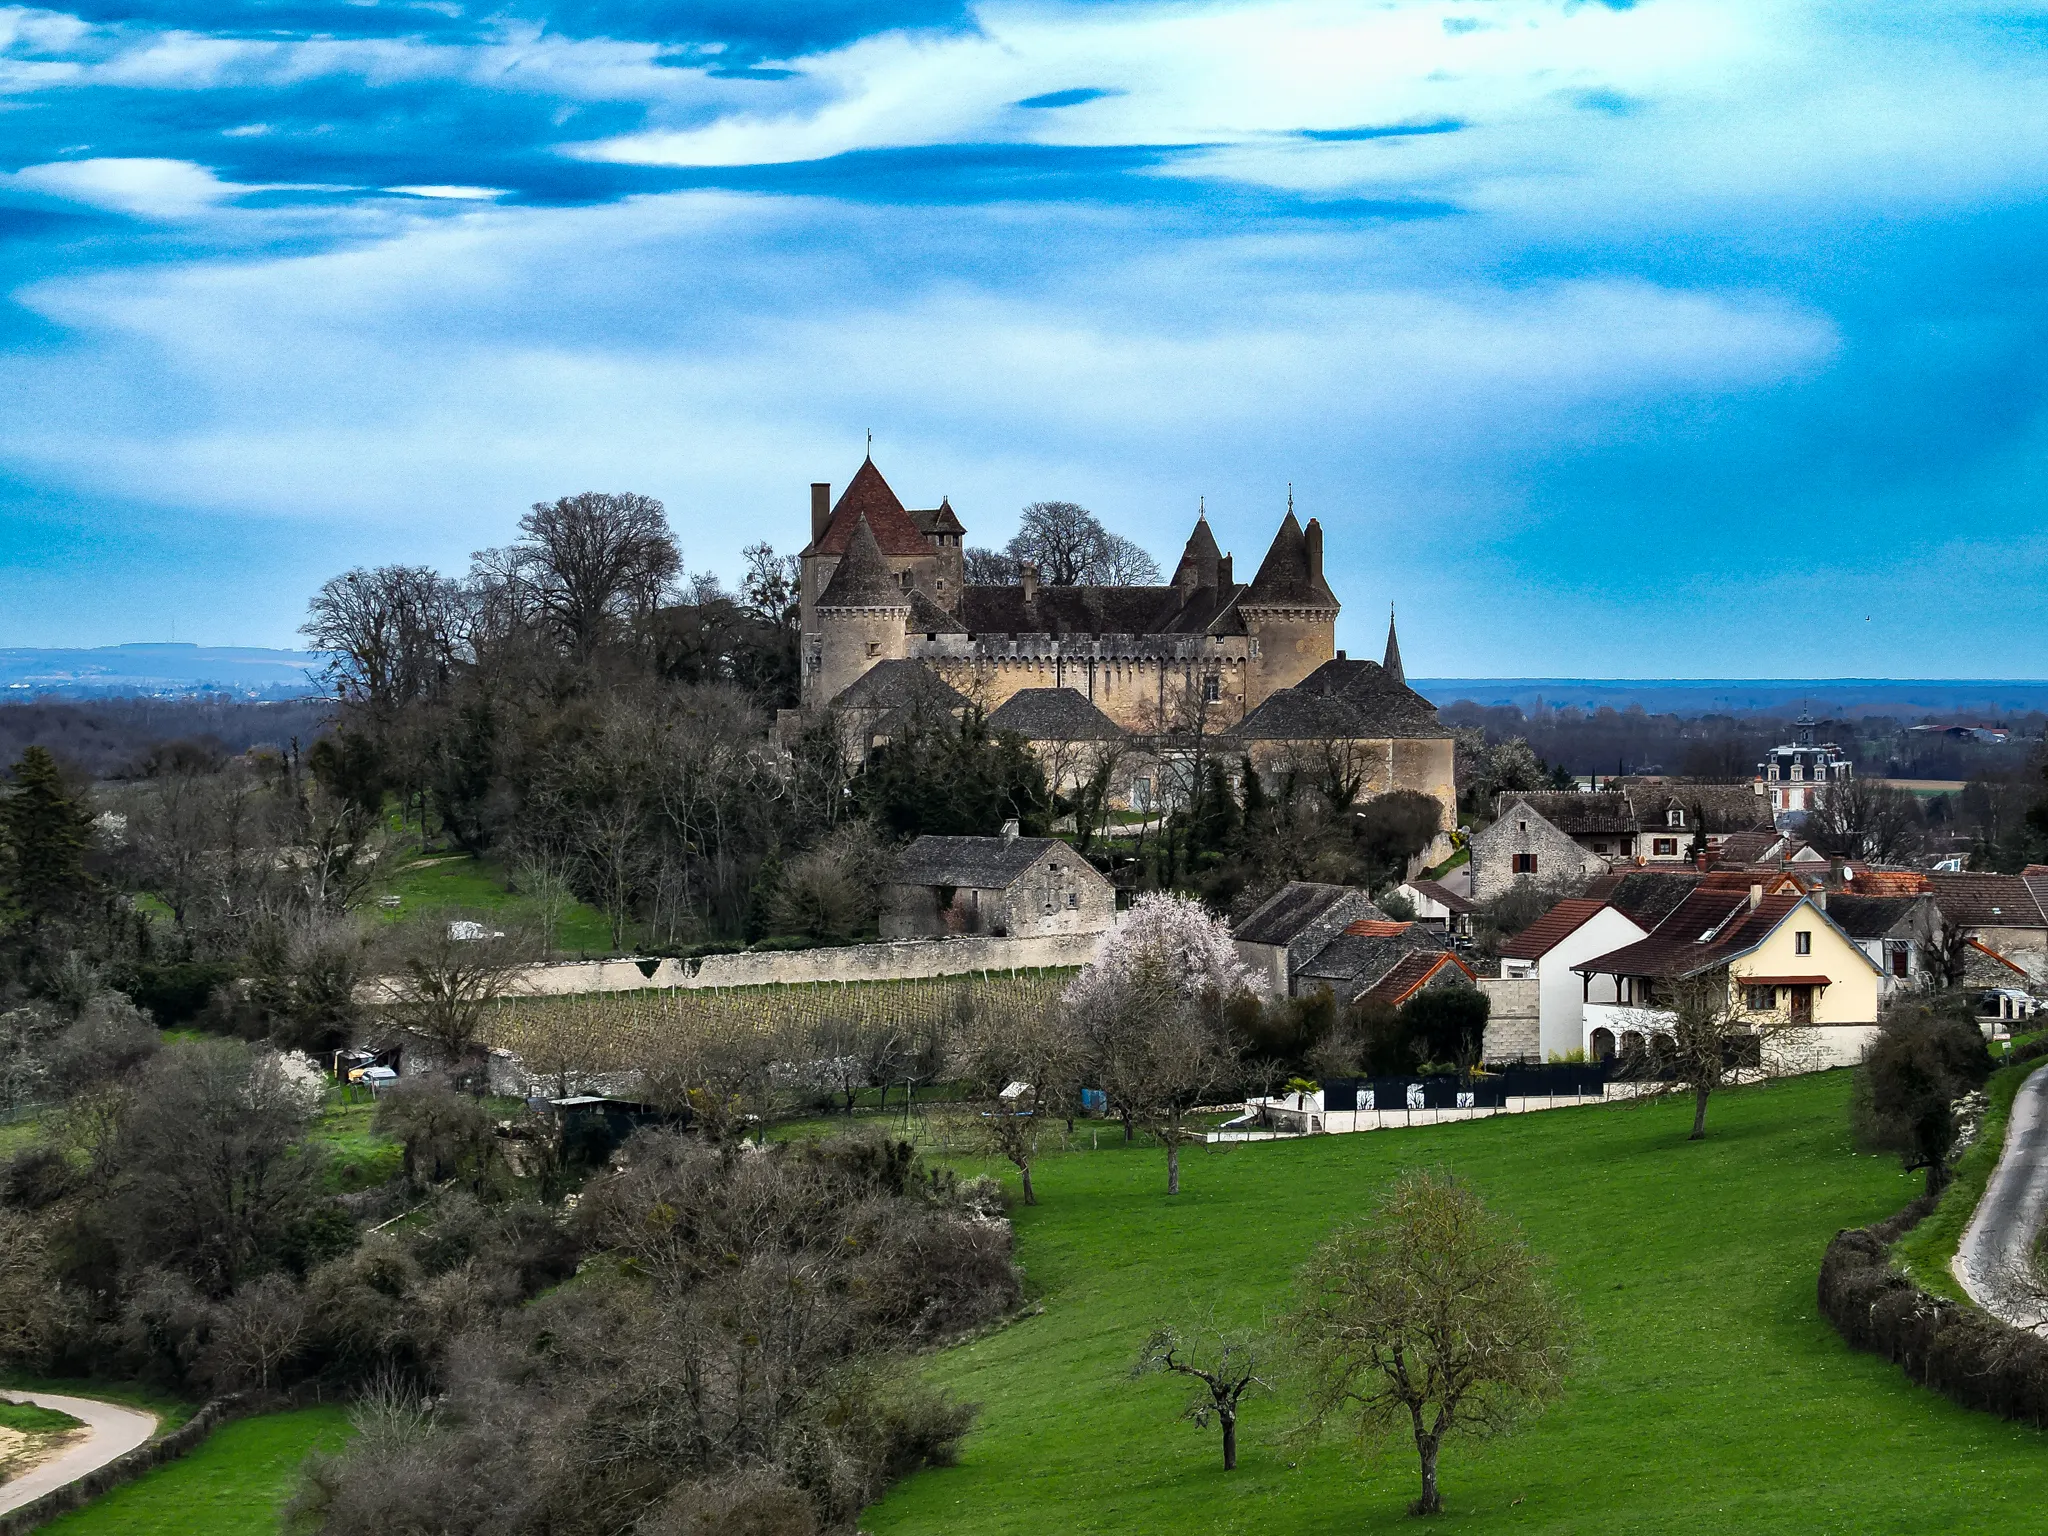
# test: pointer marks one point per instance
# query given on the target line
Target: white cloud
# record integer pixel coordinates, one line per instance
(452, 194)
(152, 188)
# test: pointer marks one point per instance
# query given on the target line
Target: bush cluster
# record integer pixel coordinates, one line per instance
(1966, 1355)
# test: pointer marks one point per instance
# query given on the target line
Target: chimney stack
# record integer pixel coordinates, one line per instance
(821, 508)
(1029, 572)
(1010, 830)
(1312, 537)
(1756, 897)
(1700, 861)
(1224, 576)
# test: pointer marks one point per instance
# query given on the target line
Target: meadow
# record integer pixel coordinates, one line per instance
(1708, 1395)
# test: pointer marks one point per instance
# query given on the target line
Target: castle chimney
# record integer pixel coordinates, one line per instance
(821, 508)
(1312, 538)
(1224, 576)
(1029, 572)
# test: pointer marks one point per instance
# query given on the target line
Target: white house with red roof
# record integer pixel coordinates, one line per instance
(1573, 931)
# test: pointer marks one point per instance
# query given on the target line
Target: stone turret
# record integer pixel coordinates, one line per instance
(1288, 611)
(859, 620)
(1392, 665)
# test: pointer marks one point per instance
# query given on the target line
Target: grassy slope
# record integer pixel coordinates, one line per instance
(1710, 1395)
(235, 1484)
(1925, 1252)
(476, 885)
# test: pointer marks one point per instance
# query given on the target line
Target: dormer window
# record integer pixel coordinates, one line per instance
(1798, 772)
(1674, 818)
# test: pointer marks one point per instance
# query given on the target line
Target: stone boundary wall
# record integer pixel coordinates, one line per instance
(891, 960)
(146, 1457)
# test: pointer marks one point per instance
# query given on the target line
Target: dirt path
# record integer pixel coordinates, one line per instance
(1995, 1262)
(110, 1430)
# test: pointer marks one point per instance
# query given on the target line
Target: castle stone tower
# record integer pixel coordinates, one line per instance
(857, 620)
(1288, 612)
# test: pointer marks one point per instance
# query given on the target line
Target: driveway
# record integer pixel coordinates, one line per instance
(1995, 1262)
(110, 1431)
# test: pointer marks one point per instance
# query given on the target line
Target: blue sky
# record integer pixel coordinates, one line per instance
(1657, 339)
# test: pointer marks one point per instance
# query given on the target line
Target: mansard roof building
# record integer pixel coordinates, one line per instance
(1253, 664)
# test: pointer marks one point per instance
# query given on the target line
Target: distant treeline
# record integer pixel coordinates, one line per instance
(1721, 746)
(116, 738)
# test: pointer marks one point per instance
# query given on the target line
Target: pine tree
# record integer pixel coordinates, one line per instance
(44, 833)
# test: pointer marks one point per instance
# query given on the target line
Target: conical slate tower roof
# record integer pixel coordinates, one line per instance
(863, 579)
(1392, 665)
(1199, 561)
(1284, 578)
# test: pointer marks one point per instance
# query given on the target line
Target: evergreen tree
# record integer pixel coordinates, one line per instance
(44, 833)
(960, 780)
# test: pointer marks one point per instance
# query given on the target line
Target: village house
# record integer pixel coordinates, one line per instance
(2006, 914)
(1292, 925)
(1382, 961)
(1445, 904)
(1006, 887)
(1778, 957)
(1573, 931)
(1612, 829)
(1896, 932)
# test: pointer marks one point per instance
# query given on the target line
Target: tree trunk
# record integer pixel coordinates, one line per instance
(1024, 1170)
(1229, 1442)
(1431, 1502)
(1699, 1113)
(1125, 1115)
(1172, 1164)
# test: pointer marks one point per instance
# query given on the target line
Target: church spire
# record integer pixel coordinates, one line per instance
(1392, 664)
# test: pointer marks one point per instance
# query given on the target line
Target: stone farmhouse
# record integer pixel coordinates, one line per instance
(1006, 887)
(891, 625)
(1574, 835)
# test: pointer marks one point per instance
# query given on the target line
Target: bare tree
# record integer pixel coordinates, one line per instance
(1432, 1316)
(1222, 1364)
(1120, 563)
(1061, 538)
(989, 568)
(258, 1330)
(450, 969)
(1865, 819)
(595, 564)
(392, 633)
(541, 870)
(1699, 1033)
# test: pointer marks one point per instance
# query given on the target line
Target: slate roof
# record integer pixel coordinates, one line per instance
(1004, 610)
(1715, 808)
(1574, 812)
(863, 578)
(1988, 901)
(1709, 929)
(1391, 665)
(1552, 928)
(1871, 917)
(1342, 700)
(1646, 897)
(927, 617)
(867, 497)
(1409, 976)
(901, 684)
(1200, 562)
(1282, 917)
(1747, 847)
(1438, 892)
(1357, 961)
(1283, 579)
(986, 863)
(1053, 714)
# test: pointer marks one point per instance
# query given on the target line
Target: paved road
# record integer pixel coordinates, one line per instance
(110, 1431)
(1995, 1262)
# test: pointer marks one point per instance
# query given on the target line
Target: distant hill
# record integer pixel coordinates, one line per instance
(1833, 697)
(159, 671)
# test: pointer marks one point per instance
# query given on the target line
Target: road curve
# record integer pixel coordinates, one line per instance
(1995, 1262)
(110, 1430)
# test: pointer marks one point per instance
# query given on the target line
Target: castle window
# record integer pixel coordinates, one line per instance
(874, 647)
(939, 582)
(1212, 688)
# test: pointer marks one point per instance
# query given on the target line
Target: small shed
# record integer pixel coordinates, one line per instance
(1004, 887)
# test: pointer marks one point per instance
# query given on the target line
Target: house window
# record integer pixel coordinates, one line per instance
(1674, 818)
(1521, 826)
(1524, 863)
(1073, 901)
(1665, 847)
(1802, 942)
(1902, 959)
(1759, 999)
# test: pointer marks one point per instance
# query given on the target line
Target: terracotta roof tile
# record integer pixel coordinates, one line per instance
(1377, 928)
(1410, 975)
(1551, 929)
(867, 495)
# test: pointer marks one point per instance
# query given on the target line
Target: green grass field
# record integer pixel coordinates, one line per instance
(235, 1484)
(1925, 1252)
(425, 883)
(1709, 1396)
(33, 1420)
